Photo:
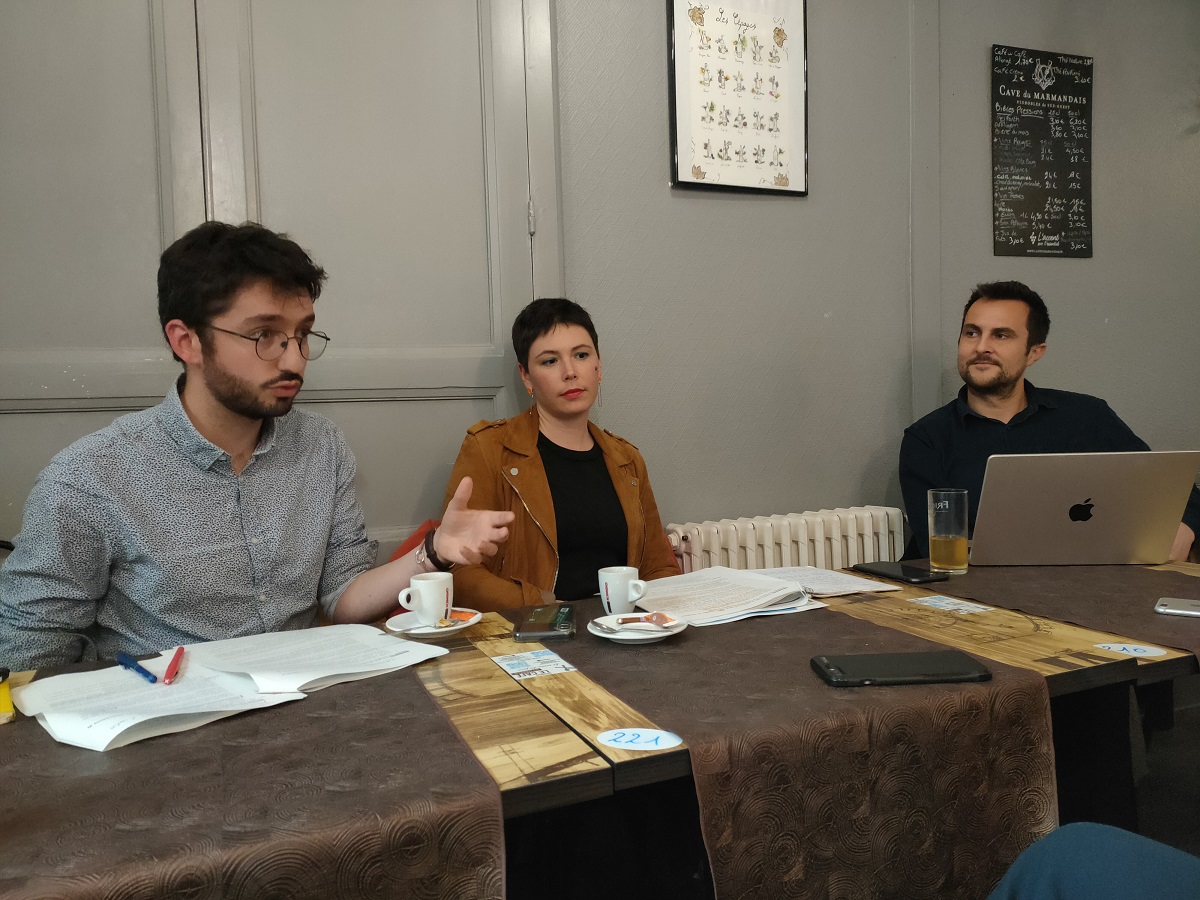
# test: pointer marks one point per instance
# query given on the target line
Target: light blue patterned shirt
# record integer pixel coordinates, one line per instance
(140, 537)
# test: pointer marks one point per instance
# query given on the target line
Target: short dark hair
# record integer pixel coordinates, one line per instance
(543, 316)
(1038, 320)
(201, 273)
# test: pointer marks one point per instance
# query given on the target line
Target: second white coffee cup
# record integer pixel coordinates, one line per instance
(620, 589)
(430, 595)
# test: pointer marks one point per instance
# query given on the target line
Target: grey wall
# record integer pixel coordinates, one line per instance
(755, 348)
(415, 200)
(758, 349)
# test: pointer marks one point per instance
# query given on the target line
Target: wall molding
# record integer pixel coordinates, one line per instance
(925, 200)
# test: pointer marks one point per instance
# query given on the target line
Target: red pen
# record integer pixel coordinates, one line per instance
(173, 666)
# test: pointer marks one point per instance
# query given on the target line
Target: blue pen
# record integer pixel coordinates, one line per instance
(128, 662)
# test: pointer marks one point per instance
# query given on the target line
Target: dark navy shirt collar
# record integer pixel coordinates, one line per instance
(1034, 400)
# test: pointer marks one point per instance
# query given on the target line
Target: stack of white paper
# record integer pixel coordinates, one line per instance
(826, 582)
(718, 594)
(114, 707)
(311, 659)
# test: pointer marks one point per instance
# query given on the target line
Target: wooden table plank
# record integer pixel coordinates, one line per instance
(1184, 568)
(1065, 654)
(536, 760)
(586, 708)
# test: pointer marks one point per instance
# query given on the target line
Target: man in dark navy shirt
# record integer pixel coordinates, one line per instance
(1004, 329)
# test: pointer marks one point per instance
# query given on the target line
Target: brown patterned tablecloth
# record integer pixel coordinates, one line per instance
(817, 792)
(1116, 599)
(360, 790)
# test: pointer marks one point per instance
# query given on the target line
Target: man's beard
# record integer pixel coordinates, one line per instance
(242, 398)
(1000, 386)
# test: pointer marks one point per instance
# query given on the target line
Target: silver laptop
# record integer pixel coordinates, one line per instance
(1063, 509)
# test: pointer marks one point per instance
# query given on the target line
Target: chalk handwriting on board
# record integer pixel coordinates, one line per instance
(1041, 153)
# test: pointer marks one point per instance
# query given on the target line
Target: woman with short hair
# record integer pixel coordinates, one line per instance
(581, 495)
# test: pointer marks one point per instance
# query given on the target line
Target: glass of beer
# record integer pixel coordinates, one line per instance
(948, 530)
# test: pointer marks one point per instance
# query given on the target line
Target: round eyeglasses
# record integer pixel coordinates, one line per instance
(270, 345)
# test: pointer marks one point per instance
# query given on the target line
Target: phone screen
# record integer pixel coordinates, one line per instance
(556, 620)
(545, 615)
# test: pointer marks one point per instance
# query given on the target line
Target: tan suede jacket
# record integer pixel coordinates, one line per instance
(503, 461)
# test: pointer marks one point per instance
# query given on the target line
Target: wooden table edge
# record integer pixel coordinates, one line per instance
(492, 637)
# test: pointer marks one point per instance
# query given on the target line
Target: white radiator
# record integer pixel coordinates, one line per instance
(827, 539)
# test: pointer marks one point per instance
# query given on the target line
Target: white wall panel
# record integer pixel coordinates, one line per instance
(91, 146)
(370, 143)
(389, 139)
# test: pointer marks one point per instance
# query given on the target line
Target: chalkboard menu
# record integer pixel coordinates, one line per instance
(1041, 153)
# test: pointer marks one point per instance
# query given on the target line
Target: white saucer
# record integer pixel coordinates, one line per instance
(635, 632)
(402, 623)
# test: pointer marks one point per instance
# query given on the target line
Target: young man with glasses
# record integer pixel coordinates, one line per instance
(219, 512)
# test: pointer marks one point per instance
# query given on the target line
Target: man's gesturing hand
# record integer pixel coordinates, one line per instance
(468, 535)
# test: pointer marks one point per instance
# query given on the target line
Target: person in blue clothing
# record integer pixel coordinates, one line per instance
(1004, 329)
(1086, 861)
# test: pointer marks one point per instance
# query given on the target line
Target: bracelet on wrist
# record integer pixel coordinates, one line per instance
(427, 555)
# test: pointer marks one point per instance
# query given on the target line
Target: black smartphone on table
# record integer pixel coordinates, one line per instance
(905, 572)
(920, 667)
(546, 623)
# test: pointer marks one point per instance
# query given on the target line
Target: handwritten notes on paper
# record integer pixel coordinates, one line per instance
(639, 739)
(1041, 153)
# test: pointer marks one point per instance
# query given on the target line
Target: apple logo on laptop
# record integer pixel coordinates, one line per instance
(1081, 512)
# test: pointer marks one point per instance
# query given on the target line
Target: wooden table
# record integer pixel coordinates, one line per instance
(1054, 629)
(1065, 654)
(1089, 686)
(537, 761)
(588, 710)
(559, 790)
(756, 724)
(784, 765)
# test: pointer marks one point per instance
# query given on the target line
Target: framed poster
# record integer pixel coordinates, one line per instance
(739, 95)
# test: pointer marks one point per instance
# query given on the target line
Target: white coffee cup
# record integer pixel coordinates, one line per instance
(430, 595)
(620, 589)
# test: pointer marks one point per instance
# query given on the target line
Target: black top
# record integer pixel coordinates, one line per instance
(950, 448)
(592, 532)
